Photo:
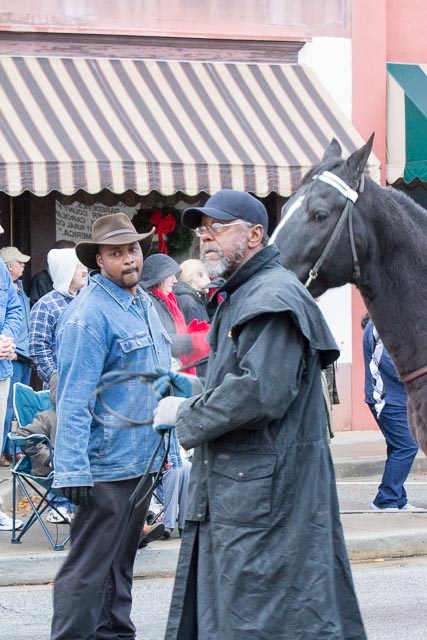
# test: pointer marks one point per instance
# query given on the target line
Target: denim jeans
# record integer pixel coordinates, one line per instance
(21, 373)
(4, 392)
(401, 451)
(175, 489)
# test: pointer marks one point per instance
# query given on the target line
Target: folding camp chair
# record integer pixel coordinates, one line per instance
(37, 489)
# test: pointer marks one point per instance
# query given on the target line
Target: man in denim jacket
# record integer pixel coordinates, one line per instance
(10, 322)
(111, 326)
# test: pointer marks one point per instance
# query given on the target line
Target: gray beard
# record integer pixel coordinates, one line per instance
(225, 267)
(219, 269)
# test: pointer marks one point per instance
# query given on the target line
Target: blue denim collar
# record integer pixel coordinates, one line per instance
(120, 295)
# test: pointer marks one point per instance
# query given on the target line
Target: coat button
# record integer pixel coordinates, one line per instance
(240, 474)
(205, 461)
(200, 516)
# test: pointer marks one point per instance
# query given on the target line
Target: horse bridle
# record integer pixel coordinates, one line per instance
(346, 214)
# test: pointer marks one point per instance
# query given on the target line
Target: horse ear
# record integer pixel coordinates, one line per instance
(357, 161)
(333, 150)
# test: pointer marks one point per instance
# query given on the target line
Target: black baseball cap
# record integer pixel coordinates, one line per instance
(228, 205)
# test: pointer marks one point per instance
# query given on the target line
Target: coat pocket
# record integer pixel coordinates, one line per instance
(242, 485)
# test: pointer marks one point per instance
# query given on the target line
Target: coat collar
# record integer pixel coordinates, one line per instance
(120, 295)
(269, 254)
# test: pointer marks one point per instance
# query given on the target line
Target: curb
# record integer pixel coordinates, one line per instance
(361, 467)
(161, 562)
(392, 547)
(42, 568)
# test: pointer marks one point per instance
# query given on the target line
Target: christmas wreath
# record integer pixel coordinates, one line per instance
(173, 238)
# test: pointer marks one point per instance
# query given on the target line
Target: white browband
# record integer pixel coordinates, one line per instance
(337, 183)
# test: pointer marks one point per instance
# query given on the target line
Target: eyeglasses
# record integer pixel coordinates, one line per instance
(216, 227)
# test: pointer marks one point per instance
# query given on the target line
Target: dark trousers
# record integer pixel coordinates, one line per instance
(92, 595)
(401, 451)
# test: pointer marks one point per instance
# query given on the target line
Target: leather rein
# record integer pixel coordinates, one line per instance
(346, 215)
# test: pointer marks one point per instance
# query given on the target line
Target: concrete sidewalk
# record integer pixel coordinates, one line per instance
(358, 458)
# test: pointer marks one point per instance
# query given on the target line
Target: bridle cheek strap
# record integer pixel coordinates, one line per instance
(347, 213)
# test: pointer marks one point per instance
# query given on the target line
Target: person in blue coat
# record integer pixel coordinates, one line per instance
(15, 262)
(99, 461)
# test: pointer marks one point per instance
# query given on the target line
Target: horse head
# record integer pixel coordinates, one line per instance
(317, 236)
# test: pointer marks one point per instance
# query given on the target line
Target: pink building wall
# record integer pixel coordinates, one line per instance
(394, 32)
(254, 19)
(406, 31)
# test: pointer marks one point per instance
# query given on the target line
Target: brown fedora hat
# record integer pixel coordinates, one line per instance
(115, 228)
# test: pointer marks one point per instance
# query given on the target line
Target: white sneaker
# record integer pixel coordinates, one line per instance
(6, 522)
(388, 509)
(410, 507)
(63, 517)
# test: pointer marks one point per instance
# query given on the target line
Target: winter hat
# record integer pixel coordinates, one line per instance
(156, 268)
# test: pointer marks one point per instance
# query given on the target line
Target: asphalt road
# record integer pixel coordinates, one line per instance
(392, 597)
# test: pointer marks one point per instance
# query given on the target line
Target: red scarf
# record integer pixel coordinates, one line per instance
(179, 320)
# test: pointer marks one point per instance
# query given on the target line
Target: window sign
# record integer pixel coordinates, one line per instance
(74, 221)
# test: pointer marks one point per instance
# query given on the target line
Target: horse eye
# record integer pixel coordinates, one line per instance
(319, 216)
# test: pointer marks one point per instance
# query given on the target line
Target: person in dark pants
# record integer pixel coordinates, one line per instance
(386, 397)
(263, 553)
(112, 325)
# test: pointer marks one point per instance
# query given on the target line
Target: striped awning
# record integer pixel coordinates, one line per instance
(406, 122)
(119, 124)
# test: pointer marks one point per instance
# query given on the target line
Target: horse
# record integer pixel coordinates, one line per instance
(339, 227)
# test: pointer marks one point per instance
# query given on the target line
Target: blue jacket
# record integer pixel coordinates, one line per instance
(10, 315)
(106, 329)
(22, 340)
(382, 383)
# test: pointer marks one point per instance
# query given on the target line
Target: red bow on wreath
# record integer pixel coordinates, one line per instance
(163, 224)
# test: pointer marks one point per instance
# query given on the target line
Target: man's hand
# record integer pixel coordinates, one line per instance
(7, 347)
(181, 385)
(165, 414)
(77, 495)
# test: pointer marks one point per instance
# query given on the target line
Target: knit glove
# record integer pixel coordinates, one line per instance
(198, 325)
(165, 414)
(181, 385)
(200, 348)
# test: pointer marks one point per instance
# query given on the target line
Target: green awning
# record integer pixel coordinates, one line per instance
(406, 122)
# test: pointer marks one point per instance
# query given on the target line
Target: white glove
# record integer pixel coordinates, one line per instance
(165, 413)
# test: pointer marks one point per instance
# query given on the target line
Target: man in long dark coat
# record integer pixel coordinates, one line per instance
(263, 554)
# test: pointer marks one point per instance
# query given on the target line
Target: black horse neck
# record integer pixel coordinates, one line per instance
(393, 273)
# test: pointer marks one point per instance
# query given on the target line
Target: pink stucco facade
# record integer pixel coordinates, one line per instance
(260, 19)
(382, 31)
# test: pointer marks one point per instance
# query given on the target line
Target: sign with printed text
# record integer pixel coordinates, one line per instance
(74, 221)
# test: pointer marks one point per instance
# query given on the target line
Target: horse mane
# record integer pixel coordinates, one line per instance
(401, 226)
